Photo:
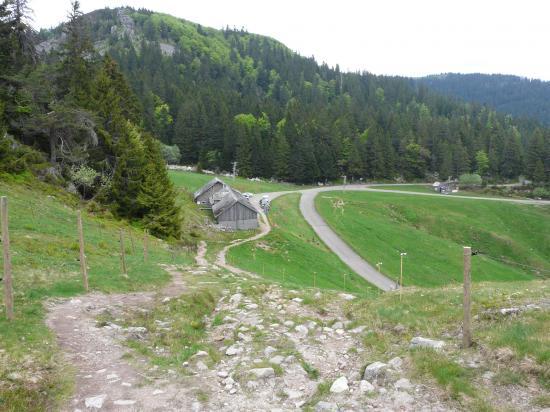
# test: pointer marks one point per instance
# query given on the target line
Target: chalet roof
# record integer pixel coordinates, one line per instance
(207, 186)
(231, 198)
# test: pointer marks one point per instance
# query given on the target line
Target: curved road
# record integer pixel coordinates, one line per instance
(341, 248)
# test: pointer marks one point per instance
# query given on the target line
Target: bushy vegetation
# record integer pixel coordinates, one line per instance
(470, 180)
(512, 240)
(78, 108)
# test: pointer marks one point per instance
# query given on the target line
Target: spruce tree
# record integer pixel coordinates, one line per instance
(157, 196)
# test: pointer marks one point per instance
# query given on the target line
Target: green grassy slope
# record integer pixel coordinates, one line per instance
(45, 251)
(294, 251)
(433, 230)
(191, 181)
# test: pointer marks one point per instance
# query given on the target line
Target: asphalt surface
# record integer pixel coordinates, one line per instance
(341, 248)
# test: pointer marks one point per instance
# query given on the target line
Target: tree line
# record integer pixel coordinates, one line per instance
(221, 96)
(77, 107)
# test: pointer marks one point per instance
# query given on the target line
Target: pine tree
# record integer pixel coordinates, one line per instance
(157, 196)
(129, 174)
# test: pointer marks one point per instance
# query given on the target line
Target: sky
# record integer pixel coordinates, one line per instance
(393, 37)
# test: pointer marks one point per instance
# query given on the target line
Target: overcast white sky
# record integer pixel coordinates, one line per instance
(404, 37)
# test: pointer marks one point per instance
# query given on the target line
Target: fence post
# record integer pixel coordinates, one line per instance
(122, 253)
(132, 242)
(83, 267)
(145, 245)
(8, 287)
(467, 303)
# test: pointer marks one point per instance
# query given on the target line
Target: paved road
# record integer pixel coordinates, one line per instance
(341, 248)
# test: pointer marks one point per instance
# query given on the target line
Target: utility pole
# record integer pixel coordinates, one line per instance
(401, 277)
(467, 303)
(122, 253)
(234, 170)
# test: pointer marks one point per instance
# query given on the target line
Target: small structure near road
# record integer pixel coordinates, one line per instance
(445, 187)
(232, 210)
(203, 196)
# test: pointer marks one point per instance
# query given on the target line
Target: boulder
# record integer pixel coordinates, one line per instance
(420, 342)
(269, 350)
(263, 373)
(302, 330)
(95, 402)
(277, 360)
(326, 407)
(340, 385)
(374, 371)
(233, 350)
(396, 363)
(403, 384)
(366, 387)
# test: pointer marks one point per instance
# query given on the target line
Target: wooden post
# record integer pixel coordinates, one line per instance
(467, 325)
(145, 245)
(132, 242)
(8, 287)
(83, 267)
(122, 253)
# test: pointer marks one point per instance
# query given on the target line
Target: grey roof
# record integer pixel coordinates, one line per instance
(207, 186)
(231, 198)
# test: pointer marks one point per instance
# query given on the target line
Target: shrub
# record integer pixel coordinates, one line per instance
(470, 179)
(541, 192)
(171, 154)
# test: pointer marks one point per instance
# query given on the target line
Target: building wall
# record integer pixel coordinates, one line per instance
(239, 217)
(204, 198)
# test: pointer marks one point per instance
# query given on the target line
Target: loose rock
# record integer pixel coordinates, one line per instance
(340, 385)
(420, 342)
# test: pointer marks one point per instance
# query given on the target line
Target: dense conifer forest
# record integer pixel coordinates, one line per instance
(99, 87)
(518, 96)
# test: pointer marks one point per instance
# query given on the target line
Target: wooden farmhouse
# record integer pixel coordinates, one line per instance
(235, 212)
(204, 194)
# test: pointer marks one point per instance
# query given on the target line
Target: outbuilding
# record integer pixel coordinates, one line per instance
(235, 212)
(204, 195)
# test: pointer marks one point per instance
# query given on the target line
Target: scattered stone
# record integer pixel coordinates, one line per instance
(290, 359)
(311, 325)
(112, 376)
(375, 370)
(403, 398)
(269, 350)
(95, 402)
(252, 385)
(298, 300)
(277, 360)
(127, 384)
(233, 350)
(358, 329)
(292, 394)
(223, 374)
(366, 387)
(340, 385)
(487, 376)
(136, 329)
(326, 407)
(288, 323)
(403, 384)
(15, 376)
(124, 402)
(236, 298)
(396, 362)
(302, 330)
(166, 300)
(201, 366)
(263, 373)
(252, 306)
(399, 328)
(347, 296)
(200, 354)
(504, 354)
(420, 342)
(338, 325)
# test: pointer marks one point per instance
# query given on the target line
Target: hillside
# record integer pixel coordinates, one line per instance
(229, 95)
(517, 96)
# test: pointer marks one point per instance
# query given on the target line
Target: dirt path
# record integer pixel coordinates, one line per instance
(104, 379)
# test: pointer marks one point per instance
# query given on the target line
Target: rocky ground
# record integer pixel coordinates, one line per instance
(267, 348)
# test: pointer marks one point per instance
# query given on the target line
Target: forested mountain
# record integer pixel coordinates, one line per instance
(514, 95)
(228, 95)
